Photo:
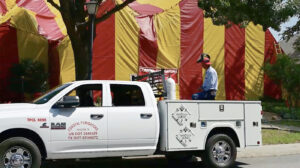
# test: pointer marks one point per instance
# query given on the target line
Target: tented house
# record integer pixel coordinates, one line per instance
(147, 34)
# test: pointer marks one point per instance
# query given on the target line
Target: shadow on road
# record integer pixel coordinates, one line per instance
(240, 164)
(126, 163)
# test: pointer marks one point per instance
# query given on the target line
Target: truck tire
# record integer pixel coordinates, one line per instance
(220, 152)
(19, 152)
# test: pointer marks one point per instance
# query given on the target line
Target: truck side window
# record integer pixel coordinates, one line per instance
(89, 95)
(127, 95)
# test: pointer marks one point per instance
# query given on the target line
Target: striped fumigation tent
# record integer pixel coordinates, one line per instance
(172, 34)
(33, 29)
(148, 33)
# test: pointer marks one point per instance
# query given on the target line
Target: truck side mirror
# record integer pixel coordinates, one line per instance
(67, 102)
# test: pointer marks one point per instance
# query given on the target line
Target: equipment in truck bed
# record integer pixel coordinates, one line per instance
(156, 80)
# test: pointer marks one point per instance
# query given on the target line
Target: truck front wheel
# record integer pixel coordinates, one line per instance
(19, 152)
(220, 151)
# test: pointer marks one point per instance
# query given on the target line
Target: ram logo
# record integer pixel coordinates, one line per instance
(57, 126)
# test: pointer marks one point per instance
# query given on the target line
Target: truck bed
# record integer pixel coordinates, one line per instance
(186, 124)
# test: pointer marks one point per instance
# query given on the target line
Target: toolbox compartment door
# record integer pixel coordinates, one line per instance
(253, 117)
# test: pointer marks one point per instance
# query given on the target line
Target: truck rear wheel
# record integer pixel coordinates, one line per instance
(19, 152)
(220, 152)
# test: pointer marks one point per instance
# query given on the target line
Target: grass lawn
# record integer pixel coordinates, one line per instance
(279, 137)
(286, 122)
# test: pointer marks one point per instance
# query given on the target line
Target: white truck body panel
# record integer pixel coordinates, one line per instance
(185, 125)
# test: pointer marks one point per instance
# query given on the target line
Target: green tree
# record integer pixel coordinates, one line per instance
(286, 72)
(291, 31)
(268, 13)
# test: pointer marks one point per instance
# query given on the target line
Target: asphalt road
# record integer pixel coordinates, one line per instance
(288, 161)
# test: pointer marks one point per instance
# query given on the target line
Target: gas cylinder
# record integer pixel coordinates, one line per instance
(171, 89)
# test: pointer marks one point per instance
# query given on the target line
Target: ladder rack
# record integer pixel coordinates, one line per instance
(156, 80)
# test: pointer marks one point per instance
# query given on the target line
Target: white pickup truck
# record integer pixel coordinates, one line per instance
(91, 119)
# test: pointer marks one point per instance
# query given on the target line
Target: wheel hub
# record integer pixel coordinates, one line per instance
(17, 160)
(221, 151)
(17, 157)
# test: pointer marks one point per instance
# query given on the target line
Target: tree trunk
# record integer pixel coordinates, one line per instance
(72, 15)
(81, 57)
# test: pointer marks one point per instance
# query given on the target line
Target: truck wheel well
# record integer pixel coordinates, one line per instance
(29, 134)
(225, 130)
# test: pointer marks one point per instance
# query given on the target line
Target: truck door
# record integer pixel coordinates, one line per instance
(132, 122)
(79, 130)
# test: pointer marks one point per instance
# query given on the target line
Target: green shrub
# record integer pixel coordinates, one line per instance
(286, 72)
(28, 77)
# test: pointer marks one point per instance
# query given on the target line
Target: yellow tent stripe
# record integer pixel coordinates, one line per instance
(66, 60)
(168, 28)
(10, 4)
(254, 59)
(31, 46)
(214, 40)
(126, 44)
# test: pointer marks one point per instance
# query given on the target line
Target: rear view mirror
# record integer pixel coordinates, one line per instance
(68, 102)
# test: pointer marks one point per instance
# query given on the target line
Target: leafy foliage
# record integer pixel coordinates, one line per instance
(268, 13)
(28, 77)
(291, 31)
(286, 72)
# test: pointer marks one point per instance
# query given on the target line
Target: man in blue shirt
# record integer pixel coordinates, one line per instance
(210, 85)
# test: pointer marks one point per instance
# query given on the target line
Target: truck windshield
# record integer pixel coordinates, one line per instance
(46, 97)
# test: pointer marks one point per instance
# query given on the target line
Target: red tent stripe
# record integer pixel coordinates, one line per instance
(148, 47)
(192, 27)
(235, 63)
(104, 49)
(270, 88)
(8, 57)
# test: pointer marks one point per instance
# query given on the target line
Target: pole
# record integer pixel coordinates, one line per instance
(92, 26)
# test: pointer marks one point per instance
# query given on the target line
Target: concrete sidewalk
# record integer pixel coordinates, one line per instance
(269, 150)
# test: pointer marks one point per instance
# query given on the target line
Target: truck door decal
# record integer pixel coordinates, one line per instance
(83, 130)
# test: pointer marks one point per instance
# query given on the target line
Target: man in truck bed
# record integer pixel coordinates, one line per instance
(210, 85)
